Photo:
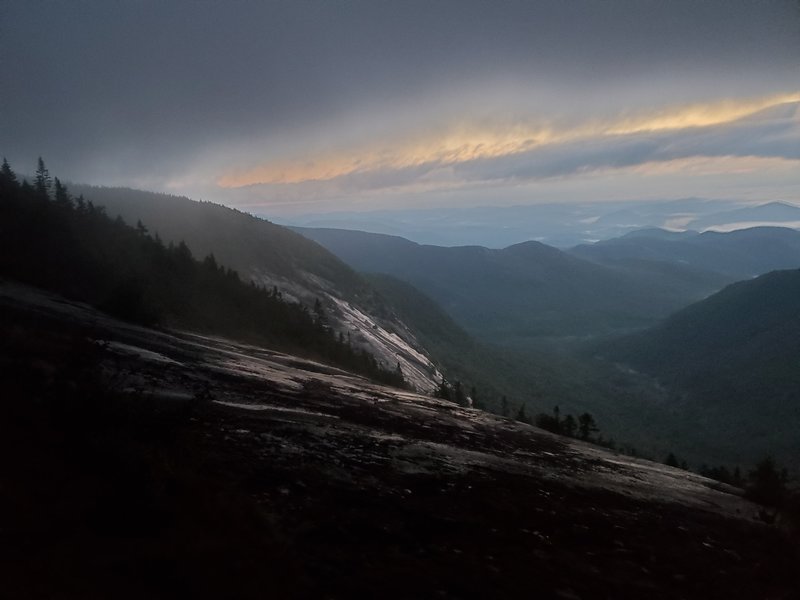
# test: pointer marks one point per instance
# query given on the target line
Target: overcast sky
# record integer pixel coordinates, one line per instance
(282, 107)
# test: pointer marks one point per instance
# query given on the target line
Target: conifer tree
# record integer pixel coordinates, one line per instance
(586, 425)
(569, 425)
(43, 181)
(8, 182)
(62, 197)
(443, 391)
(522, 415)
(7, 176)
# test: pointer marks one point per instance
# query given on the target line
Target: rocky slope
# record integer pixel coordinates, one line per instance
(238, 471)
(273, 256)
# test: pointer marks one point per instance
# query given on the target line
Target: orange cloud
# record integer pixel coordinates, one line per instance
(465, 142)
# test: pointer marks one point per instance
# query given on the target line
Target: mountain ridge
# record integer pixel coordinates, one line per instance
(530, 288)
(276, 257)
(740, 254)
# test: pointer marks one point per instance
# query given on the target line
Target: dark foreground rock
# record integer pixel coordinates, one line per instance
(143, 464)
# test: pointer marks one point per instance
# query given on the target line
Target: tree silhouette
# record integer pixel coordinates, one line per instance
(8, 180)
(767, 483)
(319, 313)
(42, 181)
(569, 425)
(586, 426)
(443, 391)
(61, 196)
(522, 415)
(553, 422)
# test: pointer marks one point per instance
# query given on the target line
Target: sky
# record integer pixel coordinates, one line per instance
(304, 106)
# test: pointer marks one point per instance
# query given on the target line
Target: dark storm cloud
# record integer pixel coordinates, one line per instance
(111, 89)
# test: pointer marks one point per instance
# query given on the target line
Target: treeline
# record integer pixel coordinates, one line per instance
(767, 483)
(50, 239)
(582, 427)
(455, 393)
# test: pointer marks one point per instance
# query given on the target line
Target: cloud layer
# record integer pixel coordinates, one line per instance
(293, 102)
(742, 136)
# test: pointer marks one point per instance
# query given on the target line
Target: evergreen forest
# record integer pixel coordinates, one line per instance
(64, 244)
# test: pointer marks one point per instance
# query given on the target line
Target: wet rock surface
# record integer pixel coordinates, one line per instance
(241, 472)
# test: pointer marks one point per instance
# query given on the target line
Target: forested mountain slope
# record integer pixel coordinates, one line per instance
(524, 291)
(67, 245)
(735, 358)
(255, 247)
(274, 256)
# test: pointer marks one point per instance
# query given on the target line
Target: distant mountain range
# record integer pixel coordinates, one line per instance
(734, 359)
(562, 225)
(527, 290)
(774, 213)
(739, 254)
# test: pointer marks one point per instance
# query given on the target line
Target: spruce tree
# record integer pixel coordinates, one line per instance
(586, 425)
(62, 197)
(6, 174)
(569, 425)
(8, 181)
(43, 181)
(443, 391)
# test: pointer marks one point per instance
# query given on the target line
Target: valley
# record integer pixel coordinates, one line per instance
(562, 326)
(527, 328)
(431, 299)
